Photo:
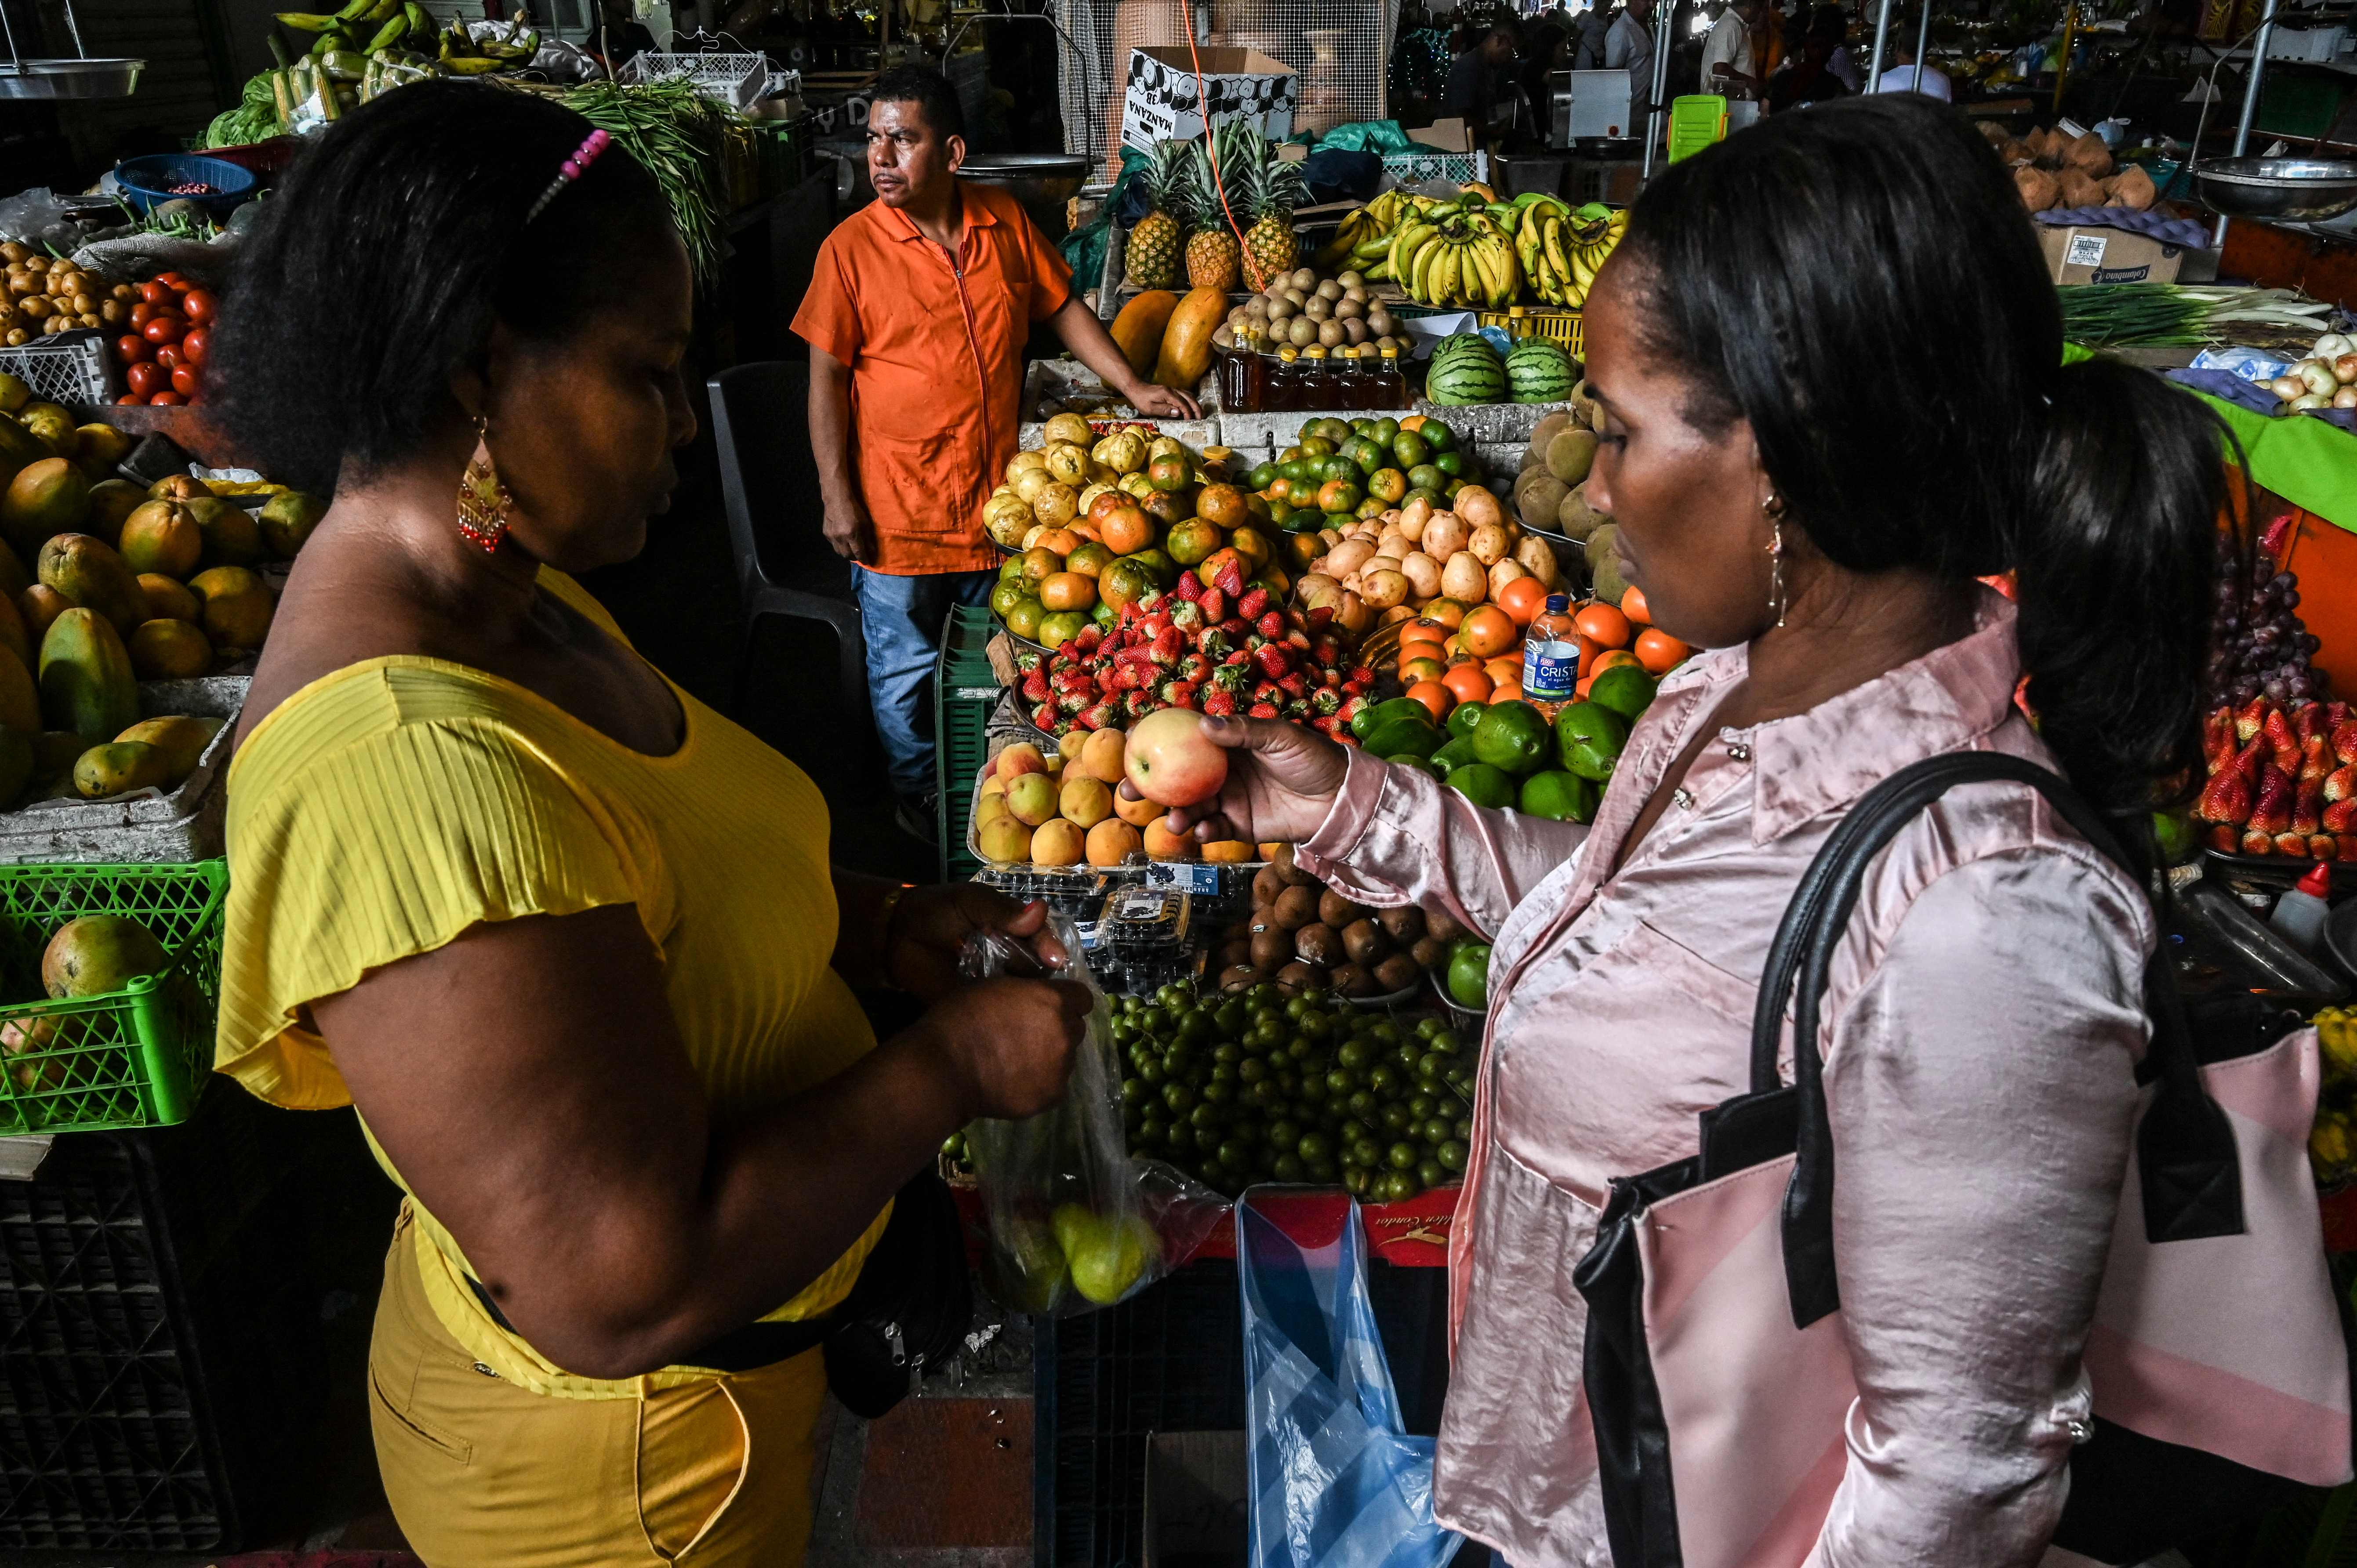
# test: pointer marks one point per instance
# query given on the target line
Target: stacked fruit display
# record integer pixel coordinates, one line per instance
(2259, 646)
(1461, 254)
(1300, 310)
(169, 331)
(1260, 1087)
(1066, 808)
(1470, 555)
(1467, 369)
(2332, 1140)
(1561, 251)
(1505, 753)
(1477, 250)
(2282, 780)
(1302, 933)
(46, 294)
(1192, 201)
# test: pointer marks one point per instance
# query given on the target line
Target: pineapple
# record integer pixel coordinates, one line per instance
(1269, 189)
(1153, 255)
(1213, 258)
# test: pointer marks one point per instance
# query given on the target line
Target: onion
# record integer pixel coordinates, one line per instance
(2288, 387)
(2344, 369)
(2345, 398)
(2313, 400)
(2333, 344)
(2318, 375)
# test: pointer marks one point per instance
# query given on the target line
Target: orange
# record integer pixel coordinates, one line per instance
(1523, 598)
(1632, 605)
(1579, 691)
(1082, 529)
(1659, 652)
(1506, 691)
(1609, 657)
(1062, 541)
(1504, 671)
(1414, 670)
(1413, 422)
(1222, 506)
(1487, 631)
(1605, 623)
(1469, 683)
(1434, 697)
(1422, 631)
(1447, 614)
(1125, 528)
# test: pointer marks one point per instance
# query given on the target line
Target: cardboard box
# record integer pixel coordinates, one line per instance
(1198, 1497)
(2100, 255)
(1449, 135)
(1161, 102)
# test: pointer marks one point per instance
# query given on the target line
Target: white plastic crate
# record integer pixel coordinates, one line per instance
(66, 367)
(737, 79)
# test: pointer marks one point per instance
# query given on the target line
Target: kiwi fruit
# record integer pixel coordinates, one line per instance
(1296, 978)
(1318, 944)
(1241, 977)
(1403, 925)
(1234, 954)
(1295, 908)
(1288, 869)
(1429, 953)
(1396, 972)
(1338, 911)
(1319, 308)
(1443, 927)
(1270, 948)
(1364, 942)
(1267, 885)
(1351, 980)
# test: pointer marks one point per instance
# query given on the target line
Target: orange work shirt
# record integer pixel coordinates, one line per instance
(935, 350)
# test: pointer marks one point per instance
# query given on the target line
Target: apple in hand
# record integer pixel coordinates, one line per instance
(1171, 761)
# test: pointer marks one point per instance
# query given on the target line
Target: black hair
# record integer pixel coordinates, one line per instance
(1861, 284)
(926, 89)
(378, 269)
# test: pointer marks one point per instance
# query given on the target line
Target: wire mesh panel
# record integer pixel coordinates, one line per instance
(1338, 51)
(65, 366)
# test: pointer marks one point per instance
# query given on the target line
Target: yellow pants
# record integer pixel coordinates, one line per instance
(482, 1474)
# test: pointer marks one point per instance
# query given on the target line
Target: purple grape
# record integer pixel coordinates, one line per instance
(2301, 686)
(2276, 689)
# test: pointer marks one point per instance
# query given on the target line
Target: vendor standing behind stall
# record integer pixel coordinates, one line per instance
(916, 315)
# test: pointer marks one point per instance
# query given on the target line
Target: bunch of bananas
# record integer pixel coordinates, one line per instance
(1561, 250)
(2332, 1142)
(383, 24)
(463, 54)
(1363, 243)
(1459, 253)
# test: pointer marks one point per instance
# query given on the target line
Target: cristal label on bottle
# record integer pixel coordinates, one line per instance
(1550, 671)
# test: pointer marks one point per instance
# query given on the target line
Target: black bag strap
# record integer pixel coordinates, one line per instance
(2191, 1178)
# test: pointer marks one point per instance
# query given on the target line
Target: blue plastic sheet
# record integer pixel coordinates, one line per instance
(1336, 1482)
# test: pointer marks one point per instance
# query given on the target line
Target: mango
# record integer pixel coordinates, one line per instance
(99, 954)
(168, 600)
(236, 606)
(118, 768)
(86, 681)
(162, 537)
(95, 577)
(111, 501)
(231, 536)
(53, 425)
(181, 737)
(168, 650)
(44, 499)
(19, 446)
(39, 606)
(177, 488)
(13, 393)
(288, 519)
(101, 448)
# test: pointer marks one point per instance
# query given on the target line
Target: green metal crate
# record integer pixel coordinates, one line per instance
(966, 690)
(133, 1058)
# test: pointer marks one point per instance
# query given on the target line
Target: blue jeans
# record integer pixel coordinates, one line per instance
(901, 618)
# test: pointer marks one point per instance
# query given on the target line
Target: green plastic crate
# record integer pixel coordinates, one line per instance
(1696, 121)
(133, 1058)
(965, 691)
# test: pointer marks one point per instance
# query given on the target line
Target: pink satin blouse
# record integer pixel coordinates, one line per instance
(1981, 1030)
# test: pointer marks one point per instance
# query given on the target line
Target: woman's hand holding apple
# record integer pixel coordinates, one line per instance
(1280, 779)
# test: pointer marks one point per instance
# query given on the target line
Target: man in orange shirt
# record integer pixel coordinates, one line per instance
(916, 315)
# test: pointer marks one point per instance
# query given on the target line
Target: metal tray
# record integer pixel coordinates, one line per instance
(56, 78)
(2291, 190)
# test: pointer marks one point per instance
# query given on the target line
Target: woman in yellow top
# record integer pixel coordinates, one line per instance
(567, 938)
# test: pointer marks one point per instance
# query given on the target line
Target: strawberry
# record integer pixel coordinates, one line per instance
(2341, 782)
(2248, 760)
(1351, 706)
(1262, 710)
(2315, 758)
(2339, 817)
(1230, 579)
(1358, 688)
(2323, 846)
(1215, 643)
(1215, 606)
(1073, 701)
(1150, 600)
(1027, 660)
(1219, 705)
(1186, 615)
(1273, 659)
(2335, 716)
(2306, 804)
(1297, 685)
(2291, 843)
(1270, 625)
(1321, 617)
(1238, 657)
(1140, 703)
(2344, 740)
(1189, 588)
(2226, 839)
(1253, 602)
(1237, 628)
(1044, 716)
(2257, 842)
(1228, 678)
(1324, 725)
(2281, 741)
(1167, 647)
(2308, 721)
(1325, 702)
(2226, 799)
(1086, 641)
(1326, 650)
(1035, 687)
(1363, 676)
(2218, 738)
(2347, 844)
(1344, 737)
(1101, 716)
(1177, 693)
(2249, 718)
(2271, 808)
(1195, 667)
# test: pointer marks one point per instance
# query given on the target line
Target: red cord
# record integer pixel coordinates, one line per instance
(1210, 148)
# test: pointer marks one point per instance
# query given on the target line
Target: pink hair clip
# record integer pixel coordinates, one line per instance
(574, 169)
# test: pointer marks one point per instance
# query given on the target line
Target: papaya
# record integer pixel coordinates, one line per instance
(165, 650)
(231, 536)
(118, 768)
(99, 953)
(86, 683)
(44, 499)
(1187, 338)
(181, 738)
(40, 606)
(168, 600)
(1137, 330)
(21, 703)
(162, 537)
(111, 501)
(102, 446)
(12, 636)
(288, 519)
(90, 575)
(237, 606)
(54, 425)
(18, 448)
(178, 487)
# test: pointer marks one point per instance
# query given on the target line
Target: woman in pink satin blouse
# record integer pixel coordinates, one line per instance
(1830, 362)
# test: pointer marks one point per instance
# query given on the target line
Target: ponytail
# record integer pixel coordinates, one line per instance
(2118, 552)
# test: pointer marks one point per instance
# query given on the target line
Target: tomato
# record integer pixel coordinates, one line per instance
(198, 304)
(131, 350)
(171, 280)
(164, 327)
(168, 356)
(184, 382)
(141, 312)
(131, 399)
(168, 400)
(194, 344)
(147, 380)
(157, 293)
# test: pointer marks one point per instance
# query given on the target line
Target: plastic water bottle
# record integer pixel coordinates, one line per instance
(2299, 914)
(1551, 656)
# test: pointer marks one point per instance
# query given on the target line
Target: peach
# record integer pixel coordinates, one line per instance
(1020, 757)
(1161, 843)
(988, 809)
(1085, 799)
(1101, 757)
(1228, 851)
(1137, 813)
(993, 786)
(1112, 842)
(1031, 799)
(1069, 747)
(1006, 841)
(1058, 843)
(1172, 761)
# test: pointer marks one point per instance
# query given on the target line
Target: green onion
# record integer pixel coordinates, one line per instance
(677, 133)
(2165, 315)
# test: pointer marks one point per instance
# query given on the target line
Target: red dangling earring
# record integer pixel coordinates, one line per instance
(483, 501)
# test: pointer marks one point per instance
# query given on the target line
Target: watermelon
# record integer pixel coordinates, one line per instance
(1539, 371)
(1465, 369)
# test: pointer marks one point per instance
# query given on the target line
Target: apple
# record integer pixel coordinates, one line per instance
(1107, 1253)
(1171, 760)
(1020, 757)
(1032, 798)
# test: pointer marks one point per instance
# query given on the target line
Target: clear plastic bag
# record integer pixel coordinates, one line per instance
(1075, 1223)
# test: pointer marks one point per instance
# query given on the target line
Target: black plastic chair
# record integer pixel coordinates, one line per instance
(769, 484)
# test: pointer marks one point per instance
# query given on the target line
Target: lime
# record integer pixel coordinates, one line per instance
(1387, 485)
(1589, 738)
(1023, 618)
(1457, 754)
(1451, 464)
(1424, 477)
(1437, 436)
(2174, 836)
(1625, 688)
(1410, 448)
(1103, 614)
(1010, 568)
(1341, 519)
(1469, 974)
(1421, 764)
(1559, 797)
(1316, 446)
(1006, 596)
(1298, 470)
(1261, 477)
(1362, 427)
(1060, 629)
(1513, 735)
(1482, 784)
(1429, 494)
(1281, 513)
(1464, 716)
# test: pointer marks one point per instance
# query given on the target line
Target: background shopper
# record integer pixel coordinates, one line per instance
(567, 938)
(919, 308)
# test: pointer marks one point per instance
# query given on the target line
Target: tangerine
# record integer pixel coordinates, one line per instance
(1632, 605)
(1487, 631)
(1062, 541)
(1447, 614)
(1523, 598)
(1506, 691)
(1223, 506)
(1422, 631)
(1605, 623)
(1469, 683)
(1504, 669)
(1125, 528)
(1609, 658)
(1436, 698)
(1414, 670)
(1659, 652)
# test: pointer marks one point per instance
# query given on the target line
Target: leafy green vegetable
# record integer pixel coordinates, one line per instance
(676, 132)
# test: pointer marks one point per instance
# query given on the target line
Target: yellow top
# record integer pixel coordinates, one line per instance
(386, 807)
